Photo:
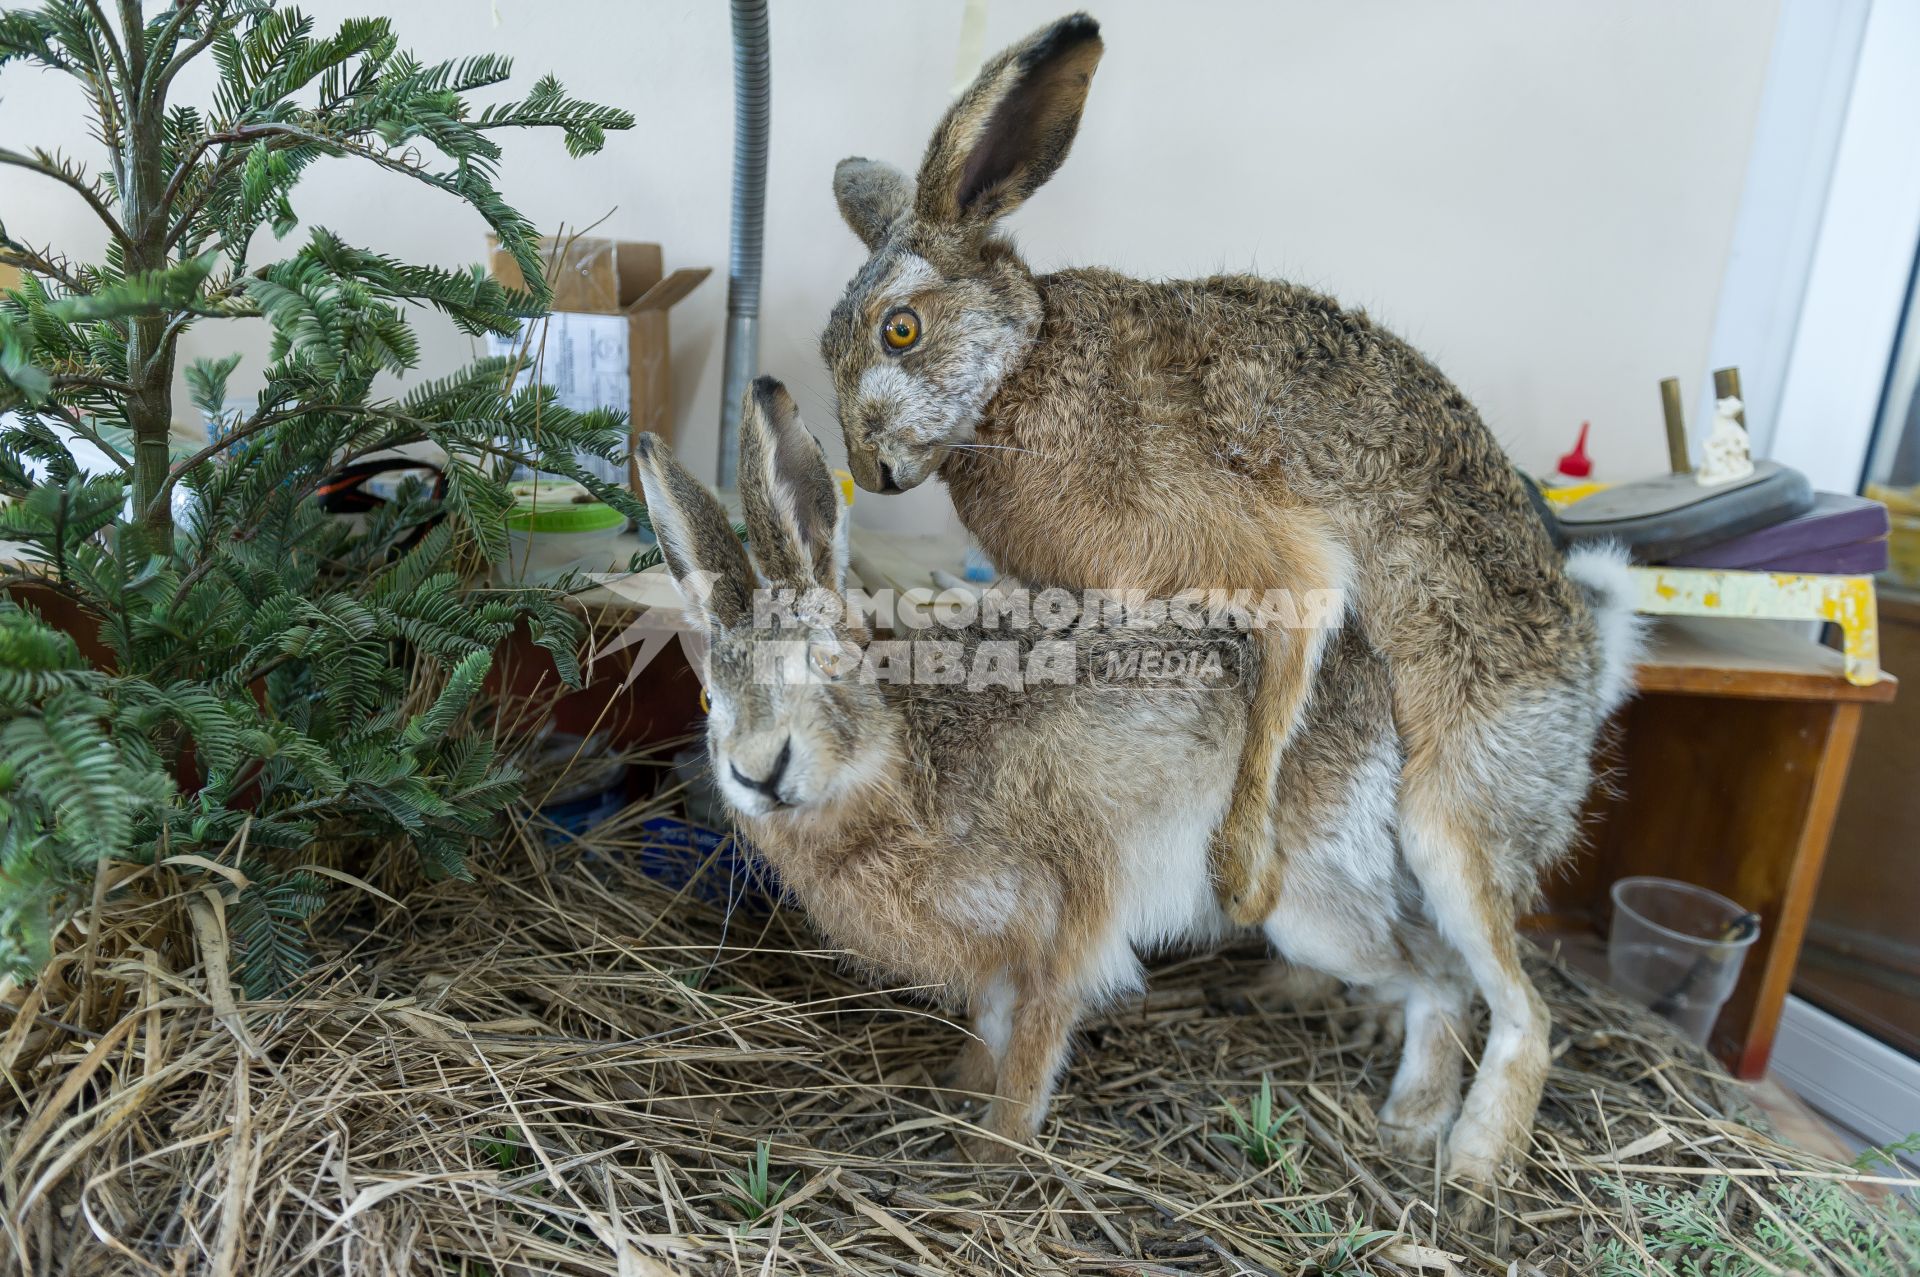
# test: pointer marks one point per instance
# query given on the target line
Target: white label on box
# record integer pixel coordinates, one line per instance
(584, 359)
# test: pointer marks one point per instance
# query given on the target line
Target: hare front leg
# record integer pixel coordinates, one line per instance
(1039, 1025)
(1245, 859)
(977, 1070)
(1303, 563)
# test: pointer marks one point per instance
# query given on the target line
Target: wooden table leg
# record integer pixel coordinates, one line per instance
(1747, 1053)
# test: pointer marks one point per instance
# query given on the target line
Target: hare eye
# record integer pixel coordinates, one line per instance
(901, 330)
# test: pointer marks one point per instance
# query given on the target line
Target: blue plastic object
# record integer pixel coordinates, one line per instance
(737, 879)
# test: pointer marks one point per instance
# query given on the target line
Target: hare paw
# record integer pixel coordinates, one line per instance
(1413, 1125)
(999, 1138)
(1246, 879)
(1478, 1145)
(973, 1072)
(1368, 1025)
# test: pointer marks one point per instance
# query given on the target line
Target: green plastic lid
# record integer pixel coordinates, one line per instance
(559, 505)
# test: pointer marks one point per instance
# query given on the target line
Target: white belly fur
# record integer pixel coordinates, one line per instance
(1163, 892)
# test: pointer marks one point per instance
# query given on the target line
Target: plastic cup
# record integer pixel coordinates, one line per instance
(1667, 950)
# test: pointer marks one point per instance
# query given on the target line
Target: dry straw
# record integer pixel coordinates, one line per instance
(566, 1067)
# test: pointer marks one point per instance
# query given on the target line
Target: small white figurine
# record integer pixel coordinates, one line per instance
(1728, 455)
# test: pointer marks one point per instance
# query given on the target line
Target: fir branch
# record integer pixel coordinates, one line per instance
(103, 33)
(183, 169)
(157, 292)
(79, 425)
(62, 380)
(15, 253)
(153, 89)
(72, 180)
(261, 422)
(133, 26)
(585, 124)
(25, 34)
(228, 160)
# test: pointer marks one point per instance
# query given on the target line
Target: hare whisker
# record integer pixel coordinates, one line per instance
(997, 447)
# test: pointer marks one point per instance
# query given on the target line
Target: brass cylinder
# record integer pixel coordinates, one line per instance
(1677, 458)
(1726, 383)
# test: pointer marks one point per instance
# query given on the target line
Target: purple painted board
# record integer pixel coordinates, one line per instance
(1862, 558)
(1836, 523)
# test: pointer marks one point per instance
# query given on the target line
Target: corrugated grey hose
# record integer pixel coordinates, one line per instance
(752, 96)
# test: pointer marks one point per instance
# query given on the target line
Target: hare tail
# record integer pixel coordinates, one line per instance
(1602, 574)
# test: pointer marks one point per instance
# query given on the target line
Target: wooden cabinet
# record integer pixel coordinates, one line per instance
(1726, 771)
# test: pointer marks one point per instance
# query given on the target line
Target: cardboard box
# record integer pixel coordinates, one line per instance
(606, 345)
(9, 277)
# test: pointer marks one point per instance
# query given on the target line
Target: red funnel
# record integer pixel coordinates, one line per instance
(1576, 464)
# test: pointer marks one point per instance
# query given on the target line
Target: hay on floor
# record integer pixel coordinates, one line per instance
(565, 1067)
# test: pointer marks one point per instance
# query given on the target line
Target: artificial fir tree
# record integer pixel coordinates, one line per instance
(271, 679)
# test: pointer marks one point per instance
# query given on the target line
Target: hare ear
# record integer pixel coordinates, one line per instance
(1011, 129)
(871, 196)
(795, 522)
(696, 538)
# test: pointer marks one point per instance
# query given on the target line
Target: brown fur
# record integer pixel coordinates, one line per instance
(1097, 430)
(1016, 846)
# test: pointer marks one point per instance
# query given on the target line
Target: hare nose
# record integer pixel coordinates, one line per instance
(886, 479)
(770, 783)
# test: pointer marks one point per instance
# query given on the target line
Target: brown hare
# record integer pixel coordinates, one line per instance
(1101, 431)
(1020, 845)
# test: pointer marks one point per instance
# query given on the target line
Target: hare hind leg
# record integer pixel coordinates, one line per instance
(1450, 847)
(1425, 1094)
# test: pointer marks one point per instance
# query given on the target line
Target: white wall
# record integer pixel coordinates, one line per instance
(1861, 264)
(1539, 195)
(1811, 78)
